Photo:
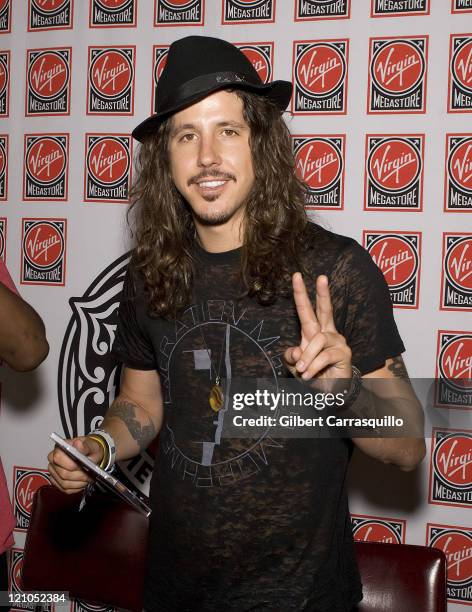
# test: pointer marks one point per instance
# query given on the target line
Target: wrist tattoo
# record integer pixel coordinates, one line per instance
(126, 411)
(398, 368)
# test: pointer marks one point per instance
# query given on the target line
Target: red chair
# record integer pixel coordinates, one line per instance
(401, 578)
(99, 555)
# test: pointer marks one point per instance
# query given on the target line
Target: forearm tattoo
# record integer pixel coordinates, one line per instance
(398, 368)
(126, 411)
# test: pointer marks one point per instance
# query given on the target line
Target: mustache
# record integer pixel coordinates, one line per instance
(213, 174)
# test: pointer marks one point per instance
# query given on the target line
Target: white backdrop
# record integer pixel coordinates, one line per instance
(381, 177)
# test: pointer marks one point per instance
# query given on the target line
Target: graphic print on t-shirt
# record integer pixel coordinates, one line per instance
(212, 339)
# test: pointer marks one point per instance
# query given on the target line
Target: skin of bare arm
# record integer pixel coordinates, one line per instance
(23, 344)
(398, 398)
(133, 420)
(323, 356)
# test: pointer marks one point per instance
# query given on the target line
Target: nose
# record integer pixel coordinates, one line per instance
(208, 153)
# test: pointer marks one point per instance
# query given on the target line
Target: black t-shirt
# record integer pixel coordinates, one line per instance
(250, 524)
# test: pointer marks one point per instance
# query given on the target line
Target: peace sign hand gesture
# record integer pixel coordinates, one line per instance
(322, 352)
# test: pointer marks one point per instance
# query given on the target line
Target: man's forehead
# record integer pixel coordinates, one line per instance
(219, 107)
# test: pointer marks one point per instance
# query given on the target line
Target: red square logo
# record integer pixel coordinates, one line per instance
(456, 544)
(113, 13)
(107, 167)
(248, 11)
(320, 70)
(179, 13)
(320, 164)
(456, 272)
(3, 167)
(43, 252)
(50, 15)
(48, 79)
(46, 167)
(110, 86)
(397, 75)
(398, 255)
(394, 169)
(367, 528)
(26, 481)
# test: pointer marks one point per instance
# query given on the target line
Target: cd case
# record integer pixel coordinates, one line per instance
(104, 478)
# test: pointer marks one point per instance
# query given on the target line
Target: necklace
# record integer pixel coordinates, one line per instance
(216, 397)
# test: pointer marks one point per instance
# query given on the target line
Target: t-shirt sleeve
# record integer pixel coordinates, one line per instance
(132, 344)
(370, 329)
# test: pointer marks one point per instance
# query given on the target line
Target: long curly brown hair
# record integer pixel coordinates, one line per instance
(275, 218)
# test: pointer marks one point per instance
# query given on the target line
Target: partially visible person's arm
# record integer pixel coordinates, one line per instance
(393, 395)
(23, 344)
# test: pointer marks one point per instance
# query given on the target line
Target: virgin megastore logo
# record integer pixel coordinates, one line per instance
(113, 13)
(456, 272)
(461, 6)
(398, 8)
(110, 89)
(394, 172)
(320, 77)
(179, 12)
(450, 481)
(456, 544)
(50, 15)
(5, 16)
(3, 238)
(48, 81)
(26, 481)
(378, 529)
(4, 83)
(311, 10)
(458, 175)
(43, 252)
(3, 167)
(460, 74)
(454, 370)
(107, 167)
(159, 60)
(261, 56)
(397, 74)
(398, 255)
(16, 584)
(45, 170)
(248, 11)
(320, 164)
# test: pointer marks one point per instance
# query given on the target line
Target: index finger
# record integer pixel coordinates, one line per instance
(324, 307)
(304, 307)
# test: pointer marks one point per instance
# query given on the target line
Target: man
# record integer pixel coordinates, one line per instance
(23, 346)
(213, 295)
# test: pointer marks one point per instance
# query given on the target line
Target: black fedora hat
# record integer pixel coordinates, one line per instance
(199, 65)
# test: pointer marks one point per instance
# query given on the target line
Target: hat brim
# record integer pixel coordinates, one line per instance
(278, 91)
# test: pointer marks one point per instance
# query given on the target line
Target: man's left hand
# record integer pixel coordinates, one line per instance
(322, 352)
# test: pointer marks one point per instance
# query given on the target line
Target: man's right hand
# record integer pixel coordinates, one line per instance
(66, 474)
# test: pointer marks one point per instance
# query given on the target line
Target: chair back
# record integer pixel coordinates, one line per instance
(97, 555)
(401, 577)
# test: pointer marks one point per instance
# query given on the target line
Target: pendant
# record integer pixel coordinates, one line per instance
(216, 398)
